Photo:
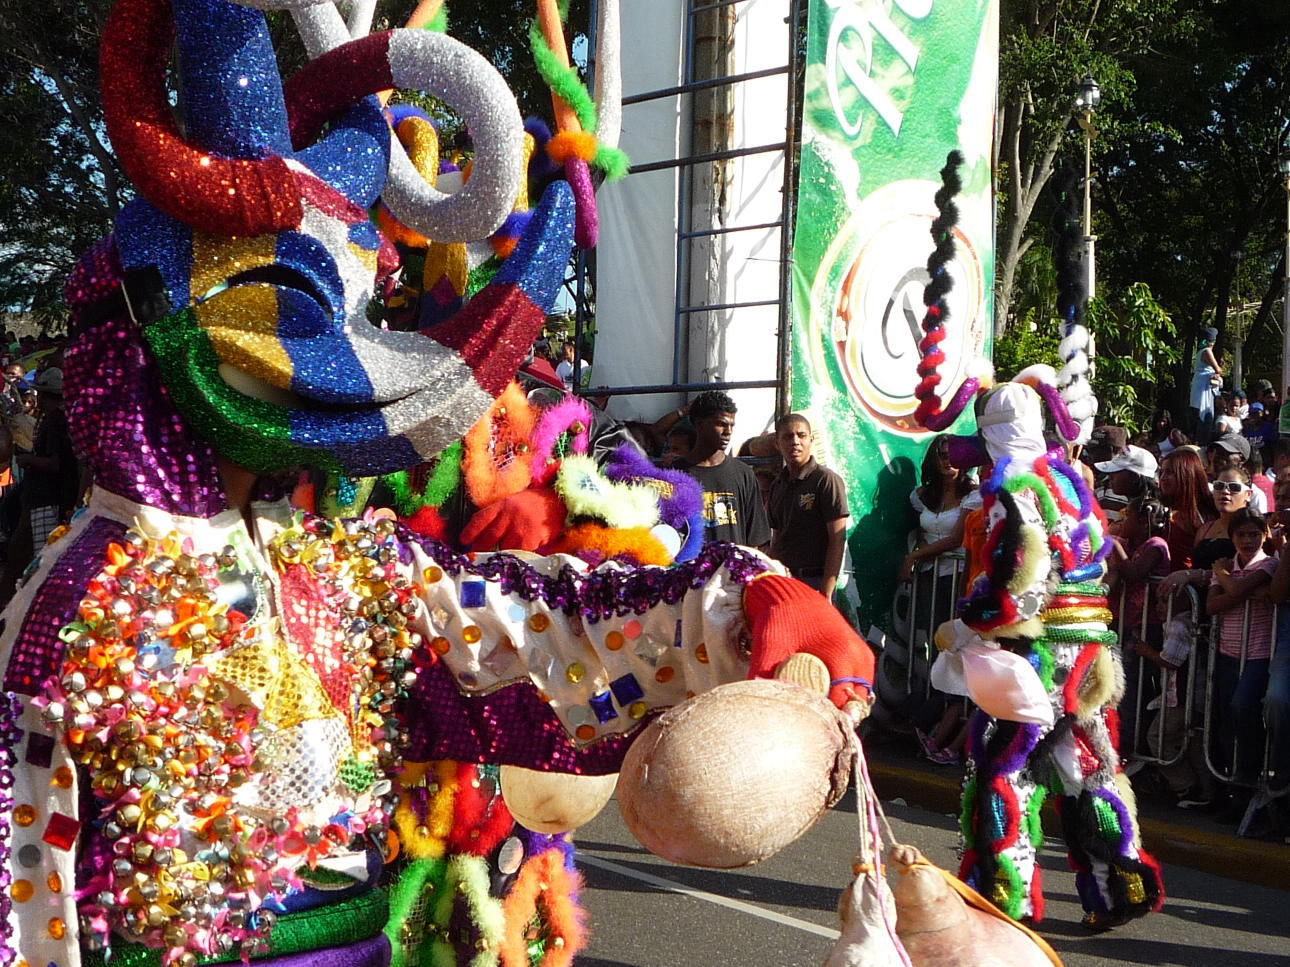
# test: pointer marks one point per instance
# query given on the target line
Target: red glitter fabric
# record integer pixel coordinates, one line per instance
(493, 333)
(223, 196)
(335, 82)
(317, 640)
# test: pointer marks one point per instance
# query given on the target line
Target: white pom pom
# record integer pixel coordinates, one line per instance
(1085, 431)
(1074, 340)
(1076, 367)
(980, 369)
(1083, 409)
(1078, 389)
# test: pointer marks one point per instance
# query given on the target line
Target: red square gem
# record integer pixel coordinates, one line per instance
(61, 831)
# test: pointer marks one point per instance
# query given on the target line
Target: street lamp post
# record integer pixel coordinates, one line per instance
(1283, 162)
(1086, 102)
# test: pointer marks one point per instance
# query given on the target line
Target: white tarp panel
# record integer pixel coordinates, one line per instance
(636, 258)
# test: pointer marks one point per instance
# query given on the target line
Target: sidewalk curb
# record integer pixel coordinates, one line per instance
(1222, 854)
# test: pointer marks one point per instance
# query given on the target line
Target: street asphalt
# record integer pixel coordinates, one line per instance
(647, 912)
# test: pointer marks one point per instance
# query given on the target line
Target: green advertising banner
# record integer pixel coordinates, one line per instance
(891, 87)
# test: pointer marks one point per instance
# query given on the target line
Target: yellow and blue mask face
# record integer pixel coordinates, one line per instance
(267, 349)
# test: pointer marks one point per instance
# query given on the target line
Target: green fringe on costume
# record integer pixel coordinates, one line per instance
(407, 926)
(1007, 887)
(1035, 484)
(965, 812)
(443, 481)
(467, 878)
(1034, 824)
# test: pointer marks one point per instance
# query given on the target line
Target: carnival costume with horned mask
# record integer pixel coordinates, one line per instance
(1031, 643)
(222, 716)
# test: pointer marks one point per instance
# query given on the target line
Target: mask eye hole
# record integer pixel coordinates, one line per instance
(277, 275)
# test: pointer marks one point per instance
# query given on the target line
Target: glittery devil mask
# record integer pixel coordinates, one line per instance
(260, 235)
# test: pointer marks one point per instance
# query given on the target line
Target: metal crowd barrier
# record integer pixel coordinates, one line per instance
(1196, 719)
(927, 586)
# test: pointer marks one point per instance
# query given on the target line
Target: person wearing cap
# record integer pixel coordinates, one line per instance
(1106, 443)
(1132, 471)
(1206, 381)
(1261, 427)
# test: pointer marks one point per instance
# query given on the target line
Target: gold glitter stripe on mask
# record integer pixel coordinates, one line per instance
(217, 258)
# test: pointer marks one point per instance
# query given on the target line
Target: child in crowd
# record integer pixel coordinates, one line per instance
(1239, 600)
(1260, 481)
(1140, 554)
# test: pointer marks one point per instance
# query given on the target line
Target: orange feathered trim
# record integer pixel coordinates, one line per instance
(634, 542)
(571, 144)
(543, 881)
(498, 453)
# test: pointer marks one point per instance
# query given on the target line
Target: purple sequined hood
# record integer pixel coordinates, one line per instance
(123, 421)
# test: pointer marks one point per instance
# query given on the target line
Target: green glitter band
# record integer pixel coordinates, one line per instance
(322, 928)
(1108, 823)
(1085, 588)
(1079, 635)
(249, 431)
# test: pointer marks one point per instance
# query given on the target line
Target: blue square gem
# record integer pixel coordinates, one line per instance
(472, 594)
(626, 689)
(603, 706)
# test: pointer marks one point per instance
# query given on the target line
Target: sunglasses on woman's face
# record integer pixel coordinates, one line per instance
(1228, 486)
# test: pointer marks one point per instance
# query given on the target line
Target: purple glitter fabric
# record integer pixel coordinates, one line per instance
(122, 419)
(10, 708)
(38, 650)
(510, 726)
(599, 595)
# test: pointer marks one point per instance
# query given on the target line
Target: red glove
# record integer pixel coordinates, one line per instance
(521, 522)
(788, 618)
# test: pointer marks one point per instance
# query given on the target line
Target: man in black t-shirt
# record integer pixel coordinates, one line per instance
(732, 507)
(808, 509)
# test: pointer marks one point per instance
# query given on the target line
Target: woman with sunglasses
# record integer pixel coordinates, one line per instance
(1231, 493)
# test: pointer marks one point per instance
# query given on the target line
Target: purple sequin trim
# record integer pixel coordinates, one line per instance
(598, 595)
(10, 709)
(510, 726)
(37, 650)
(122, 420)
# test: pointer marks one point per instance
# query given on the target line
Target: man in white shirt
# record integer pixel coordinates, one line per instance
(565, 369)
